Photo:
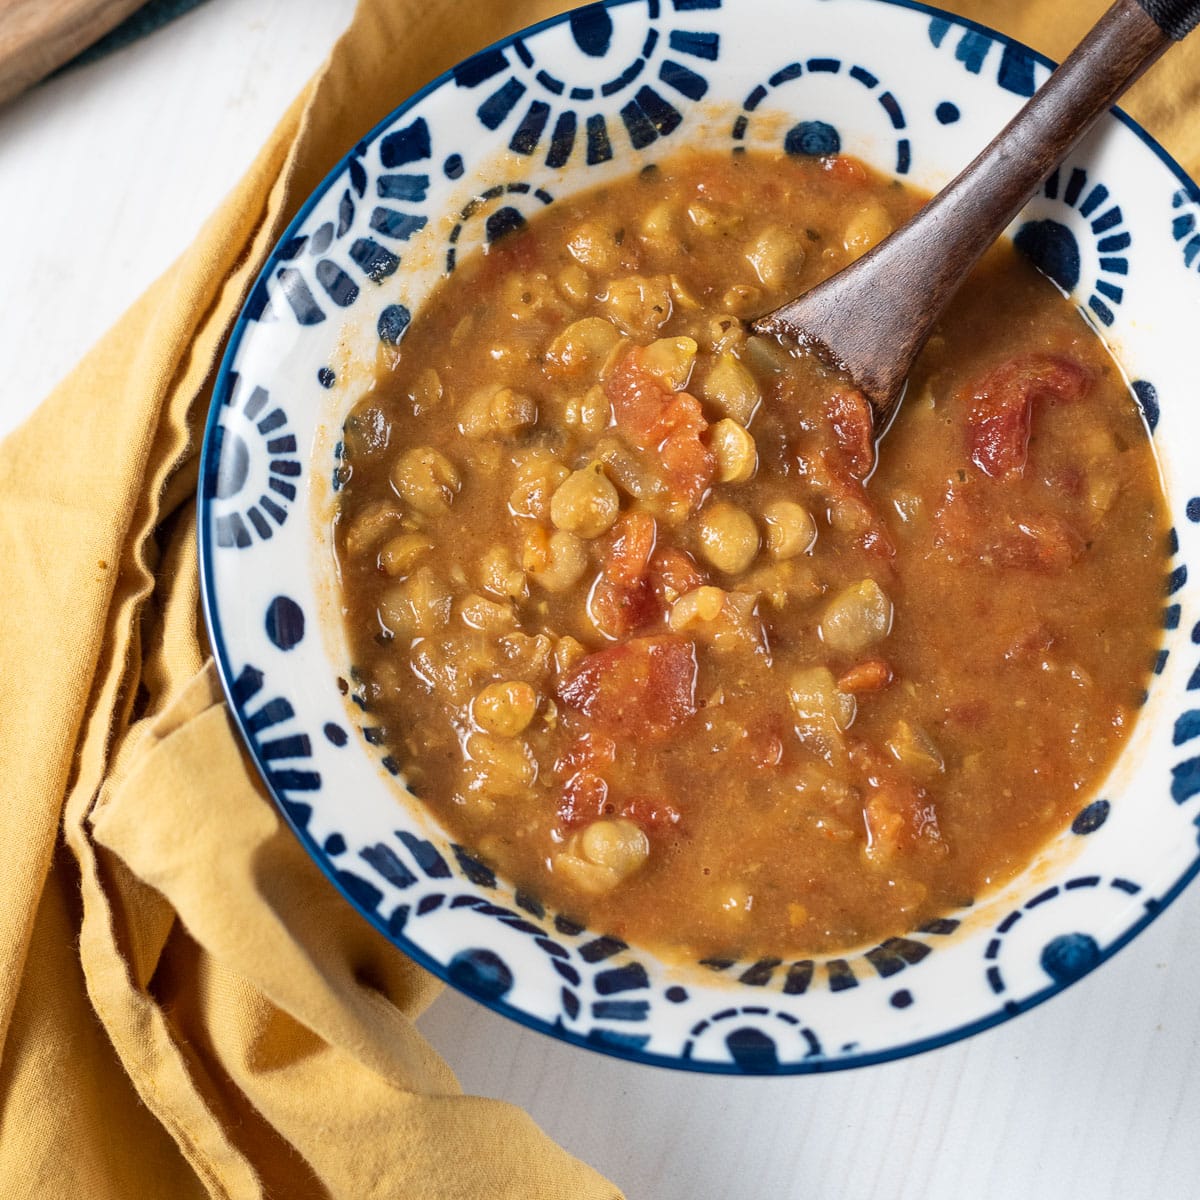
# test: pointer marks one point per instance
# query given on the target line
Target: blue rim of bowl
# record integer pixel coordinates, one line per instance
(209, 604)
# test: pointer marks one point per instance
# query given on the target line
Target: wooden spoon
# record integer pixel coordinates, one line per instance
(871, 319)
(37, 36)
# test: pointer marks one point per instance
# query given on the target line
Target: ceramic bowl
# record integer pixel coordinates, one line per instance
(576, 101)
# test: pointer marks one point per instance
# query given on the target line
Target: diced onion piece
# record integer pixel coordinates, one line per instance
(914, 750)
(822, 713)
(488, 616)
(426, 391)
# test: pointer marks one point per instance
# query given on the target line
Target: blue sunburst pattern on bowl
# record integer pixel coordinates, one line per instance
(580, 99)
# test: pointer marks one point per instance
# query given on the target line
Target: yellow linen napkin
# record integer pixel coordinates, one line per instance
(186, 1008)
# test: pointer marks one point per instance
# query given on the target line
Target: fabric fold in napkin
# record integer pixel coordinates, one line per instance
(187, 1009)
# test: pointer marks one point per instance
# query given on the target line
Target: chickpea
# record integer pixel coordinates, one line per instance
(790, 528)
(574, 284)
(658, 226)
(639, 305)
(537, 479)
(582, 875)
(427, 479)
(603, 855)
(700, 605)
(366, 431)
(619, 845)
(426, 391)
(586, 503)
(725, 333)
(594, 248)
(728, 537)
(505, 709)
(500, 574)
(583, 346)
(369, 527)
(417, 607)
(500, 765)
(475, 414)
(567, 652)
(556, 561)
(524, 295)
(731, 388)
(478, 612)
(401, 553)
(734, 449)
(867, 228)
(590, 412)
(777, 257)
(743, 299)
(856, 618)
(511, 411)
(670, 361)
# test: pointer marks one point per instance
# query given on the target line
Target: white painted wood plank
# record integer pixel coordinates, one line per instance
(108, 171)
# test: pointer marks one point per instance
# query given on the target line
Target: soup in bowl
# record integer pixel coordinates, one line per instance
(584, 637)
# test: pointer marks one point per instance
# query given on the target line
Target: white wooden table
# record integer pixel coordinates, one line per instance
(106, 174)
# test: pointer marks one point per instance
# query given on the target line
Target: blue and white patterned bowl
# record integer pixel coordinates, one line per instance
(564, 106)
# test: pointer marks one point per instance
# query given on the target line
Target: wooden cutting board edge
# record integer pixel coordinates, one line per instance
(37, 36)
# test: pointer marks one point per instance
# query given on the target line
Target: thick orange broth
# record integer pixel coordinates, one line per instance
(652, 632)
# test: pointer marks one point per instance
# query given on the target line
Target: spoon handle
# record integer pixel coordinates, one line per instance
(874, 316)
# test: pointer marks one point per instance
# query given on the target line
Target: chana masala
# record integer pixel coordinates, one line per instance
(652, 630)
